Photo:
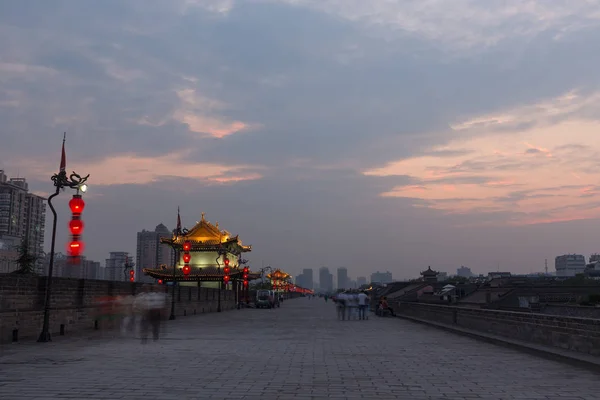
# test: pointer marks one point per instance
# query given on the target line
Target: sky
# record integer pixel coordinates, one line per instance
(383, 135)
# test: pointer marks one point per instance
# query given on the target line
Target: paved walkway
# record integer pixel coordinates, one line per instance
(299, 351)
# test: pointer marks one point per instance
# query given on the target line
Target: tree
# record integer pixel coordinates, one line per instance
(26, 260)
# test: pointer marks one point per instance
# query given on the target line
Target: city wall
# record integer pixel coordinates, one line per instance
(572, 333)
(74, 305)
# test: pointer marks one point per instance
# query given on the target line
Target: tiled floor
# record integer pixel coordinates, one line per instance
(299, 351)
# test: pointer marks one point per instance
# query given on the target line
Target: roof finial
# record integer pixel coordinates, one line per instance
(217, 225)
(203, 217)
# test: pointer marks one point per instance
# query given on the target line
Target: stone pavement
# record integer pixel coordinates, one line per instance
(299, 351)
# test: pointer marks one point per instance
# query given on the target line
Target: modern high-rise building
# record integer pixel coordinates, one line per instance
(381, 277)
(115, 266)
(360, 281)
(325, 280)
(342, 278)
(62, 268)
(22, 217)
(151, 253)
(464, 272)
(569, 264)
(308, 281)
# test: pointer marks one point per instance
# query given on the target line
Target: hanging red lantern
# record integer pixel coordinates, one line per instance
(187, 246)
(76, 226)
(186, 270)
(160, 281)
(187, 258)
(75, 248)
(76, 204)
(226, 261)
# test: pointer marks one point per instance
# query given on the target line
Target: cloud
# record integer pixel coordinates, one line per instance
(130, 168)
(195, 112)
(545, 173)
(464, 24)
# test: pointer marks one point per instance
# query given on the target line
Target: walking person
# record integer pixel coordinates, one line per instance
(157, 305)
(140, 306)
(363, 301)
(341, 304)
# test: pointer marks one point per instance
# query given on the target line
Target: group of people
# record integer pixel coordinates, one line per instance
(352, 304)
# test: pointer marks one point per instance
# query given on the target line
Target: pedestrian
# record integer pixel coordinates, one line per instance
(340, 304)
(363, 301)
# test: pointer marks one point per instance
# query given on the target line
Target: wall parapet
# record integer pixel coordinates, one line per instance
(571, 333)
(74, 303)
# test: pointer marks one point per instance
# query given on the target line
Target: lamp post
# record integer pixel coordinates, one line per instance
(177, 232)
(176, 259)
(61, 181)
(220, 253)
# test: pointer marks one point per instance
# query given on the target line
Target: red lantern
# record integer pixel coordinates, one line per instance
(226, 270)
(186, 270)
(226, 261)
(245, 283)
(187, 257)
(76, 226)
(75, 248)
(160, 281)
(76, 204)
(187, 246)
(226, 279)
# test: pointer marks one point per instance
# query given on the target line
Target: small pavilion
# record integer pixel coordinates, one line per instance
(429, 275)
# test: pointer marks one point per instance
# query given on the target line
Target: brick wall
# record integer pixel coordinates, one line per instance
(577, 334)
(74, 303)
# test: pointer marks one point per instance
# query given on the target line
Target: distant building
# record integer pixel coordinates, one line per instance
(381, 277)
(305, 279)
(342, 278)
(360, 281)
(499, 275)
(325, 280)
(308, 273)
(151, 253)
(22, 217)
(115, 266)
(569, 265)
(464, 272)
(8, 253)
(429, 275)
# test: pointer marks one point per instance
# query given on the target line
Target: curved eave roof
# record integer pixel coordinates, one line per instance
(202, 274)
(208, 245)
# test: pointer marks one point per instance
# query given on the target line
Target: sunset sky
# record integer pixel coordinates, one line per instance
(375, 135)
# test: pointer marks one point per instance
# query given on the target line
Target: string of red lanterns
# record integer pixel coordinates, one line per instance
(76, 245)
(226, 270)
(187, 246)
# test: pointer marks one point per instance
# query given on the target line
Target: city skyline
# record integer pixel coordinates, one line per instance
(374, 137)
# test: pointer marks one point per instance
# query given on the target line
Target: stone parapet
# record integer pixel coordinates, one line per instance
(571, 333)
(74, 304)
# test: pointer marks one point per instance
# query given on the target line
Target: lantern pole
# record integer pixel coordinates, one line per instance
(220, 252)
(61, 181)
(176, 259)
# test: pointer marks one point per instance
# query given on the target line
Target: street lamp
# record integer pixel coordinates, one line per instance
(61, 181)
(176, 233)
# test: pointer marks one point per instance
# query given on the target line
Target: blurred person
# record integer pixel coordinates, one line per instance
(156, 305)
(127, 314)
(140, 306)
(363, 301)
(340, 304)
